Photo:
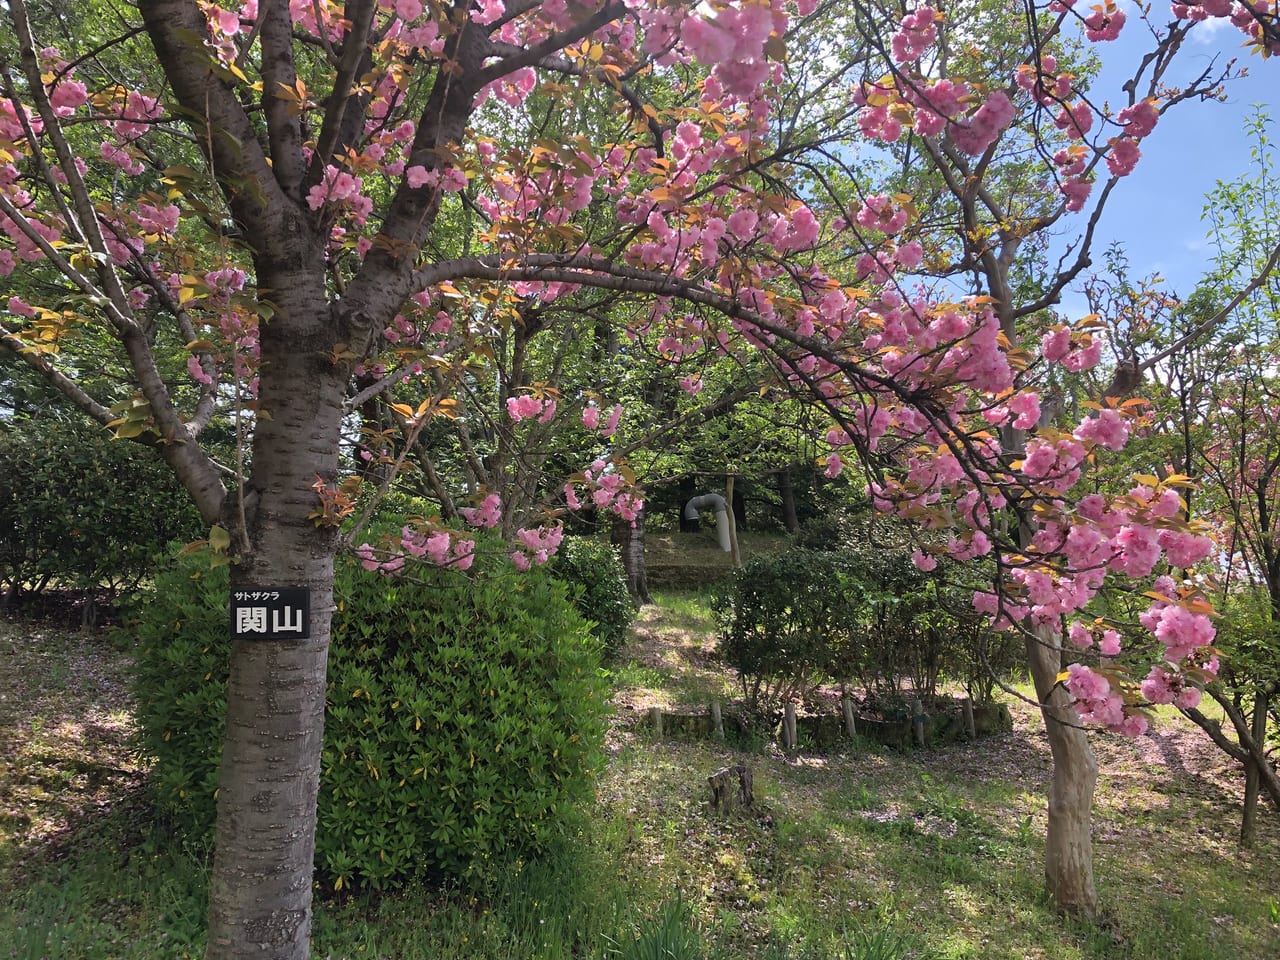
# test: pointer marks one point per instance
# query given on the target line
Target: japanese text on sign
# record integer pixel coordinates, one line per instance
(271, 613)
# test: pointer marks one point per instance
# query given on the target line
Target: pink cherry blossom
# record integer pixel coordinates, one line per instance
(1104, 24)
(1106, 429)
(1139, 119)
(611, 425)
(487, 515)
(982, 129)
(1124, 156)
(917, 31)
(1027, 408)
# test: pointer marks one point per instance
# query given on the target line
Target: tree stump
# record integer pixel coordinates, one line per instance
(731, 789)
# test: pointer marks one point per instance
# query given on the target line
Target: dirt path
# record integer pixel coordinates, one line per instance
(65, 728)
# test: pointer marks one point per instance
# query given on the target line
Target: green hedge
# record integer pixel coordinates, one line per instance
(598, 584)
(861, 613)
(464, 714)
(80, 509)
(786, 620)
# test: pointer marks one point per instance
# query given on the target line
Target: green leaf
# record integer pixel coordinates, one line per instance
(219, 539)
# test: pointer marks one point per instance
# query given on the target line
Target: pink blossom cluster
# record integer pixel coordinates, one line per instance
(975, 134)
(225, 25)
(27, 249)
(11, 123)
(1072, 549)
(448, 179)
(937, 102)
(68, 96)
(1160, 686)
(136, 115)
(1097, 702)
(158, 220)
(1104, 23)
(879, 212)
(342, 188)
(1181, 629)
(1076, 350)
(609, 490)
(487, 515)
(591, 419)
(1083, 638)
(1107, 429)
(1124, 155)
(319, 18)
(1044, 82)
(121, 157)
(1203, 9)
(916, 33)
(401, 330)
(732, 42)
(528, 406)
(440, 547)
(537, 545)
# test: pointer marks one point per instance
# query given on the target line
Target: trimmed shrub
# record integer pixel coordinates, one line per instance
(82, 509)
(598, 587)
(865, 613)
(784, 620)
(464, 716)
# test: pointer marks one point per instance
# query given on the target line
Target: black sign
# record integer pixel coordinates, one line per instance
(271, 613)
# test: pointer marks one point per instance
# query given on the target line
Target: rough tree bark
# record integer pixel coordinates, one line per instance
(1068, 861)
(260, 892)
(630, 541)
(1253, 773)
(1068, 848)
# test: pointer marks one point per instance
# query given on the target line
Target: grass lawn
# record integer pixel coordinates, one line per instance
(869, 855)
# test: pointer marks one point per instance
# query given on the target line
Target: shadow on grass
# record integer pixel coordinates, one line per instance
(110, 884)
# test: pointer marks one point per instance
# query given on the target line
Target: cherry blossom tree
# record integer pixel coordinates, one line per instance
(302, 197)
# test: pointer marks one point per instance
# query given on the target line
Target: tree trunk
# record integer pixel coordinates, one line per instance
(260, 890)
(733, 522)
(1253, 772)
(630, 541)
(787, 493)
(1068, 849)
(688, 490)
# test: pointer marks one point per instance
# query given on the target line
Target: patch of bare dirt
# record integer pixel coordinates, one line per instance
(66, 725)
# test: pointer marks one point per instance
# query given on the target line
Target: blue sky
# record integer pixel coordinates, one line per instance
(1156, 211)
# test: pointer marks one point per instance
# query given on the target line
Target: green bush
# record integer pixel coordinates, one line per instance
(463, 723)
(784, 620)
(598, 585)
(82, 509)
(861, 612)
